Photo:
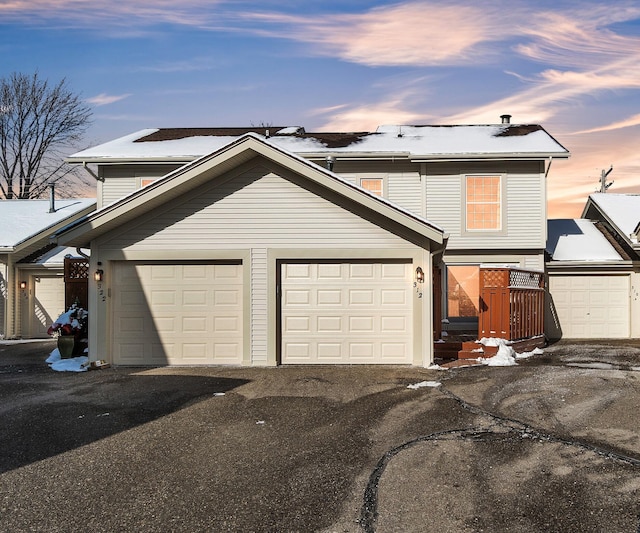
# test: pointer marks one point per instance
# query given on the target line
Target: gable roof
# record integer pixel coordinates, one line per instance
(26, 223)
(220, 162)
(416, 143)
(621, 211)
(581, 240)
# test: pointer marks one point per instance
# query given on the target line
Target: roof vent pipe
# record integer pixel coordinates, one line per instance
(506, 119)
(52, 198)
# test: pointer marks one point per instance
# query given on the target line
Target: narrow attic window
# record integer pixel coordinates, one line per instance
(483, 203)
(373, 185)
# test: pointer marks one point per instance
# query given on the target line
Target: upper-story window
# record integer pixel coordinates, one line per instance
(373, 185)
(146, 181)
(483, 203)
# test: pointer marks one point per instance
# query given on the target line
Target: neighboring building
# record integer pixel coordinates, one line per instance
(32, 292)
(594, 270)
(485, 186)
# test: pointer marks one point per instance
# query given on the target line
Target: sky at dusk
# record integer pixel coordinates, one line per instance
(328, 65)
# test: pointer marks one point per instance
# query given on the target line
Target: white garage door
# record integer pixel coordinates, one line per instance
(47, 304)
(346, 313)
(177, 314)
(592, 307)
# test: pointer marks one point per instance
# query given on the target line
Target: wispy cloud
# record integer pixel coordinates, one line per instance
(105, 99)
(629, 122)
(75, 13)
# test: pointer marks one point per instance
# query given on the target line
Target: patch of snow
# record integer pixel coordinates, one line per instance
(526, 355)
(506, 355)
(622, 209)
(578, 240)
(594, 366)
(74, 364)
(22, 219)
(422, 384)
(415, 141)
(493, 341)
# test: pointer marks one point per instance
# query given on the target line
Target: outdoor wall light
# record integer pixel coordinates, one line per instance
(419, 275)
(23, 284)
(98, 274)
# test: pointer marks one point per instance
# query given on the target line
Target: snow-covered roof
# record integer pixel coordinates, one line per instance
(621, 209)
(415, 142)
(578, 240)
(23, 219)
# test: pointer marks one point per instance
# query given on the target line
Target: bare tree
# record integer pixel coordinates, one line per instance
(38, 121)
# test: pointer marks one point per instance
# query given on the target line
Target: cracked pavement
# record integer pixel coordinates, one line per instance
(552, 444)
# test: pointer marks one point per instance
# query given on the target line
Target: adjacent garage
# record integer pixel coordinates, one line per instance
(253, 256)
(347, 313)
(177, 314)
(592, 306)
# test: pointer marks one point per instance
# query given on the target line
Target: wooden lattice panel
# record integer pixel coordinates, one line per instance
(76, 269)
(493, 278)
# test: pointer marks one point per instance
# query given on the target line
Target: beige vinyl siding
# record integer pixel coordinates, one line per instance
(405, 190)
(259, 303)
(122, 180)
(524, 223)
(257, 209)
(401, 180)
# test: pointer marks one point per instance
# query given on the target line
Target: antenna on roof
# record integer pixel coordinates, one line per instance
(603, 180)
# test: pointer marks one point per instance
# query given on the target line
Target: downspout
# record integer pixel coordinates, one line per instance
(82, 254)
(91, 172)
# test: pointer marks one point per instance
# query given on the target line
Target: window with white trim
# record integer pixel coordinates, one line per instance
(373, 185)
(483, 203)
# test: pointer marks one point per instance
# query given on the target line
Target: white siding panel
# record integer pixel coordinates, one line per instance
(255, 211)
(259, 305)
(114, 189)
(404, 190)
(524, 224)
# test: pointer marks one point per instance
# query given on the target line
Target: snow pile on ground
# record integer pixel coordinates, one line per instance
(74, 364)
(424, 384)
(506, 355)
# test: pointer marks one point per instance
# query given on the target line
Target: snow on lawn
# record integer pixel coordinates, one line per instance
(74, 364)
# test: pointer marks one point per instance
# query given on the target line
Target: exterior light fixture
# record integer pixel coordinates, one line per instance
(419, 275)
(23, 285)
(98, 274)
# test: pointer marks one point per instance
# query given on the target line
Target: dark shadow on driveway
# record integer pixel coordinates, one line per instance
(44, 413)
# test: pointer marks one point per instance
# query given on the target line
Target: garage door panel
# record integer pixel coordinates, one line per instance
(177, 314)
(346, 313)
(592, 306)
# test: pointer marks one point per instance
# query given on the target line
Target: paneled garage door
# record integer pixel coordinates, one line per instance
(348, 313)
(592, 307)
(177, 314)
(47, 304)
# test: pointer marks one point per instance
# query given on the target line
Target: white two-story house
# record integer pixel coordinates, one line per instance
(329, 241)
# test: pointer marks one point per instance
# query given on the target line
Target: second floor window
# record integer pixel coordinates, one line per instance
(483, 203)
(373, 185)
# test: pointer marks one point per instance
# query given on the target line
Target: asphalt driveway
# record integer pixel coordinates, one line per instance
(552, 444)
